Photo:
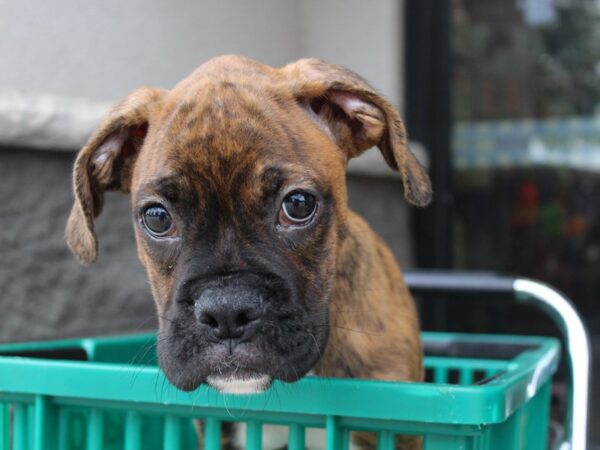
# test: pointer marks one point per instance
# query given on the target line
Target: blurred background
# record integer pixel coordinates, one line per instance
(501, 100)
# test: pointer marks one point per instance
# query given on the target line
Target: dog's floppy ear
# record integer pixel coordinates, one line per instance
(357, 117)
(106, 163)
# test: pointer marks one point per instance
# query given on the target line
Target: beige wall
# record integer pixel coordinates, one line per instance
(365, 36)
(103, 49)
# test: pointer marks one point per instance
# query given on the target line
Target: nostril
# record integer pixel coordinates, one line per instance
(208, 319)
(245, 317)
(242, 320)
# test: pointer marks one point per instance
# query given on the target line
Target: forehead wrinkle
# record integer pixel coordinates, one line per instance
(218, 124)
(217, 104)
(221, 134)
(169, 187)
(292, 175)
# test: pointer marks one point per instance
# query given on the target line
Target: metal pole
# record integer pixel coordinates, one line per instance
(578, 355)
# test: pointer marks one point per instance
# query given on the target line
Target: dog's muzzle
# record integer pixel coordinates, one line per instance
(238, 332)
(230, 310)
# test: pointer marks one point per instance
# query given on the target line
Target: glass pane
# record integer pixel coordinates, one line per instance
(526, 139)
(526, 149)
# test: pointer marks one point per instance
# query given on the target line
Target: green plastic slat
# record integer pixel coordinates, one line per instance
(481, 442)
(46, 424)
(333, 434)
(466, 377)
(31, 424)
(4, 426)
(536, 435)
(432, 362)
(212, 434)
(172, 437)
(296, 437)
(346, 439)
(254, 435)
(509, 432)
(20, 428)
(440, 375)
(133, 431)
(63, 429)
(95, 428)
(385, 441)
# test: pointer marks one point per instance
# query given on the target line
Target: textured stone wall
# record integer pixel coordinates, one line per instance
(44, 293)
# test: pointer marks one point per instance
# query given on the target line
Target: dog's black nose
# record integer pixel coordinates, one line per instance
(230, 311)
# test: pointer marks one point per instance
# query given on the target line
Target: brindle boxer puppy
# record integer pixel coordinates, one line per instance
(258, 269)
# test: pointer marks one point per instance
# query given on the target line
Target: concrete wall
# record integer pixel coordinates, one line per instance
(104, 49)
(43, 291)
(365, 36)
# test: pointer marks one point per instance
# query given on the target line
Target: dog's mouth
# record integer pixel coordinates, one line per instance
(238, 334)
(249, 371)
(240, 384)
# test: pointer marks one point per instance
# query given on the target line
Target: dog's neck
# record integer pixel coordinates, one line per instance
(359, 334)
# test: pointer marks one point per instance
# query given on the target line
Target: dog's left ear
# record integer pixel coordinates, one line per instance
(106, 163)
(357, 118)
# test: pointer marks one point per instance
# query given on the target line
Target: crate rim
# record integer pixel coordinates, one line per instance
(23, 378)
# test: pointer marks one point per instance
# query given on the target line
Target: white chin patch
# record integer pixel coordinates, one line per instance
(233, 385)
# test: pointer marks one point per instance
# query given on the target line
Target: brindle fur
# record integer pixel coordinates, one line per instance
(219, 147)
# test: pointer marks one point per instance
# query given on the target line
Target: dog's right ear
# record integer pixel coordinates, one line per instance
(106, 163)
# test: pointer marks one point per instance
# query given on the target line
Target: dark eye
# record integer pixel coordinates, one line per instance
(157, 220)
(298, 208)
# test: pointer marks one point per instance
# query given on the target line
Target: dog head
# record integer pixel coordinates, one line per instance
(237, 181)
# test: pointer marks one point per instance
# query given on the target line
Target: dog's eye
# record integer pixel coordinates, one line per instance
(157, 220)
(298, 208)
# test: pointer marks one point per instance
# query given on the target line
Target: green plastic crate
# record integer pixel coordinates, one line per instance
(487, 392)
